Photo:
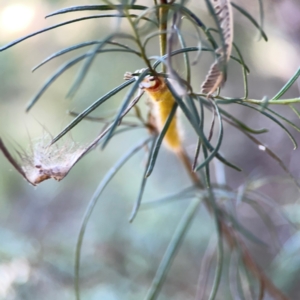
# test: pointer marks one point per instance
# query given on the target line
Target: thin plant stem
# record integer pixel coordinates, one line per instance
(163, 26)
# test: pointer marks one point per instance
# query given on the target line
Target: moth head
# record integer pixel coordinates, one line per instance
(150, 82)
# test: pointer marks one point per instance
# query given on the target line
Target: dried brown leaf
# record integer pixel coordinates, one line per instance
(215, 77)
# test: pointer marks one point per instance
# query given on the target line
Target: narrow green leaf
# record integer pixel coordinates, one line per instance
(295, 110)
(152, 35)
(175, 52)
(189, 192)
(251, 19)
(160, 60)
(197, 129)
(244, 69)
(199, 143)
(81, 45)
(261, 13)
(233, 266)
(219, 141)
(175, 7)
(275, 157)
(287, 85)
(159, 140)
(218, 156)
(92, 203)
(188, 13)
(66, 50)
(143, 184)
(274, 120)
(207, 169)
(217, 216)
(172, 250)
(127, 128)
(92, 107)
(220, 260)
(185, 55)
(205, 266)
(61, 70)
(96, 7)
(249, 235)
(239, 282)
(107, 119)
(240, 60)
(265, 219)
(283, 118)
(227, 163)
(57, 26)
(90, 58)
(273, 204)
(189, 115)
(226, 101)
(223, 65)
(124, 105)
(241, 124)
(268, 151)
(196, 22)
(192, 108)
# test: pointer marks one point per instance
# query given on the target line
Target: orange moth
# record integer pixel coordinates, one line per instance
(163, 101)
(161, 104)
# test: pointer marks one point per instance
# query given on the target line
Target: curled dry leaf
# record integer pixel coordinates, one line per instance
(216, 77)
(46, 160)
(43, 162)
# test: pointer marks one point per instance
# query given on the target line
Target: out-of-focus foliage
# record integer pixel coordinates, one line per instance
(39, 227)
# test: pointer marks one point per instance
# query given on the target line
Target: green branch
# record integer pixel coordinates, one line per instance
(228, 100)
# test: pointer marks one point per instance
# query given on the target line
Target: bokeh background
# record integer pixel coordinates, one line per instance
(39, 226)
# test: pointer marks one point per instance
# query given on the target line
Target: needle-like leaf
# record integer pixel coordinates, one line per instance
(110, 174)
(95, 7)
(172, 249)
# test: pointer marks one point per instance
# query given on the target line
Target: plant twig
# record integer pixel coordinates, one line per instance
(163, 26)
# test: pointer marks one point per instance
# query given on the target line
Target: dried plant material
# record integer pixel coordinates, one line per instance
(46, 160)
(43, 162)
(11, 159)
(215, 77)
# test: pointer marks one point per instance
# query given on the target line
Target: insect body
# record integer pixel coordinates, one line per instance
(163, 101)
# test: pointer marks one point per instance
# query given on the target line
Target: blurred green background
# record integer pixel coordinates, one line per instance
(39, 226)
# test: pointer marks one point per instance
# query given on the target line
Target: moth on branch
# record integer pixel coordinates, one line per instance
(161, 105)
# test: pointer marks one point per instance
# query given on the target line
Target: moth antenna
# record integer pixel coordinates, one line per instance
(128, 75)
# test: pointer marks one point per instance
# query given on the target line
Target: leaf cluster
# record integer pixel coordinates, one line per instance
(164, 20)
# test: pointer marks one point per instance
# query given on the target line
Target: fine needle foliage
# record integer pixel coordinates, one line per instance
(171, 91)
